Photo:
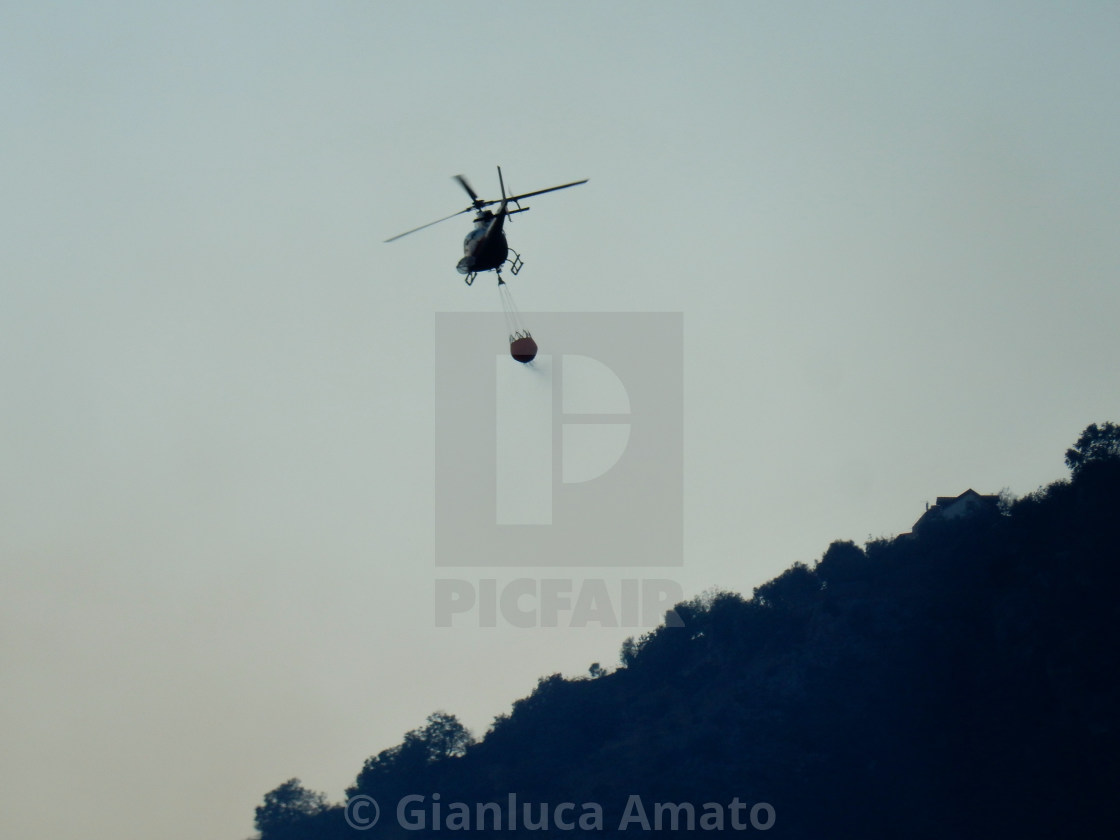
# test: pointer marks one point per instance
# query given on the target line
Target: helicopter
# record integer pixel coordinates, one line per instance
(485, 247)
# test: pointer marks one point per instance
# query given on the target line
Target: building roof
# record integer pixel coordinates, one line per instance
(967, 503)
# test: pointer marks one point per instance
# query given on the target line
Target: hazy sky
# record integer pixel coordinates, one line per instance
(890, 230)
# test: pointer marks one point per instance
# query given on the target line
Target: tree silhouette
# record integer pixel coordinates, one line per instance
(1096, 444)
(796, 588)
(286, 809)
(442, 737)
(394, 771)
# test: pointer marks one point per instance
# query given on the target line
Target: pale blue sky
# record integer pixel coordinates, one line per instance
(890, 228)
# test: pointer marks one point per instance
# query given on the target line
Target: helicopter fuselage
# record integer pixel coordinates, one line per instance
(485, 247)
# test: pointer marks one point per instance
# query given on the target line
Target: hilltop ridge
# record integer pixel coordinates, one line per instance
(958, 681)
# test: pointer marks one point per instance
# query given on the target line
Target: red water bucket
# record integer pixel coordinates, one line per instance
(523, 349)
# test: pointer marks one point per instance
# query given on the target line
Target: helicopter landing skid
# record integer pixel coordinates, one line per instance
(515, 266)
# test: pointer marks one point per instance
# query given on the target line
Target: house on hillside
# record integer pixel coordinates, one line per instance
(947, 508)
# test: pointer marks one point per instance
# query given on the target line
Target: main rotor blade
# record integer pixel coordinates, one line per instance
(463, 183)
(429, 224)
(537, 192)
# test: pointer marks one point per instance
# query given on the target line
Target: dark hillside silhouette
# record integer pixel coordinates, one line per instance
(959, 682)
